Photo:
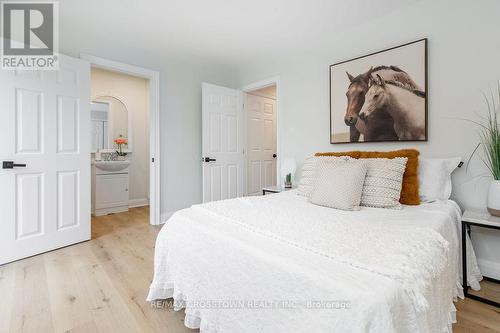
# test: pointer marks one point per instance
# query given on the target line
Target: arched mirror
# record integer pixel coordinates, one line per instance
(110, 120)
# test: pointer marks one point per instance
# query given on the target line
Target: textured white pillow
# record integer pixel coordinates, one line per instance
(306, 181)
(434, 176)
(338, 184)
(384, 179)
(306, 177)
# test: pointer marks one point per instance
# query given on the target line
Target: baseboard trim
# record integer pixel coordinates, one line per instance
(138, 202)
(165, 216)
(489, 268)
(110, 210)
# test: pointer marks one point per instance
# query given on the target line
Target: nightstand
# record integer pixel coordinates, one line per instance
(275, 189)
(480, 219)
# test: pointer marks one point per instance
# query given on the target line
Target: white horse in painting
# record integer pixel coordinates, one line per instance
(405, 105)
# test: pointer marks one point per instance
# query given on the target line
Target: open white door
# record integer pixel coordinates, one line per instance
(261, 143)
(45, 125)
(223, 159)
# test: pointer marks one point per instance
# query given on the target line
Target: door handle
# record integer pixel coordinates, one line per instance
(12, 165)
(208, 159)
(274, 155)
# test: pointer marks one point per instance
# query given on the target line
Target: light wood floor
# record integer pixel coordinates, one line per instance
(100, 286)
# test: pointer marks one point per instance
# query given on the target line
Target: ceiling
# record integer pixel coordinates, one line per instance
(229, 31)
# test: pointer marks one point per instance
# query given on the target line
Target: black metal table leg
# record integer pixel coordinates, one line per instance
(466, 226)
(464, 257)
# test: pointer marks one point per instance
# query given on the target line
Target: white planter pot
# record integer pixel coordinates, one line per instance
(494, 198)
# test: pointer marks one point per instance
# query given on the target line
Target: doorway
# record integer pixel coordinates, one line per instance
(120, 141)
(268, 92)
(261, 141)
(225, 133)
(142, 135)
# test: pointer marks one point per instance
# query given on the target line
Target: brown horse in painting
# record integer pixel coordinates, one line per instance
(381, 126)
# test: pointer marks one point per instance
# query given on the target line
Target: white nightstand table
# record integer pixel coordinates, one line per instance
(482, 219)
(275, 189)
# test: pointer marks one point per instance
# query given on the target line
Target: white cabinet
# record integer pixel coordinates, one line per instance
(110, 192)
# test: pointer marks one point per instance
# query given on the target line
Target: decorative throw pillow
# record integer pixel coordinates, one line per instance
(306, 181)
(307, 177)
(384, 178)
(338, 185)
(409, 191)
(434, 175)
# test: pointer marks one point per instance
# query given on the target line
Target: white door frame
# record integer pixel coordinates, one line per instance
(154, 123)
(275, 80)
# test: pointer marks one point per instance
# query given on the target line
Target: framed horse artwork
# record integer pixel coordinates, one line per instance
(381, 96)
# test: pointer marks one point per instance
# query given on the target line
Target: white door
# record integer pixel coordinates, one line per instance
(44, 124)
(223, 160)
(261, 143)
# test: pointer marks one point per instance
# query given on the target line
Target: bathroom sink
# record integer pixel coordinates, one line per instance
(111, 166)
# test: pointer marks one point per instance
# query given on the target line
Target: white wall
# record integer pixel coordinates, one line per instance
(180, 104)
(463, 59)
(134, 93)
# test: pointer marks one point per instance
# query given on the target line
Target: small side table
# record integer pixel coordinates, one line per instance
(275, 189)
(484, 220)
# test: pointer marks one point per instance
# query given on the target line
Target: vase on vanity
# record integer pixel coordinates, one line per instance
(493, 203)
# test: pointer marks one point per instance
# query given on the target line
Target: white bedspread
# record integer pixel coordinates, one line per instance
(280, 264)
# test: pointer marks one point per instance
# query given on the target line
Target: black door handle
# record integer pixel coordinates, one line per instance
(208, 159)
(11, 165)
(274, 155)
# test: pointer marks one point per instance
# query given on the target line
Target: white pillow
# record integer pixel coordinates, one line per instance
(306, 181)
(384, 179)
(306, 177)
(338, 185)
(434, 176)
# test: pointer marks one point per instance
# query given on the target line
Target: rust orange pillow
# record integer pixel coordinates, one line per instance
(409, 191)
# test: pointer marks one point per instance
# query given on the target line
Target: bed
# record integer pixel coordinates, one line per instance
(278, 263)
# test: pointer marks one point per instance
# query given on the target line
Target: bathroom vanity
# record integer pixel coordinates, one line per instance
(110, 187)
(110, 177)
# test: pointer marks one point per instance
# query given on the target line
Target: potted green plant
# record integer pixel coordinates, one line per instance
(288, 167)
(288, 180)
(489, 134)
